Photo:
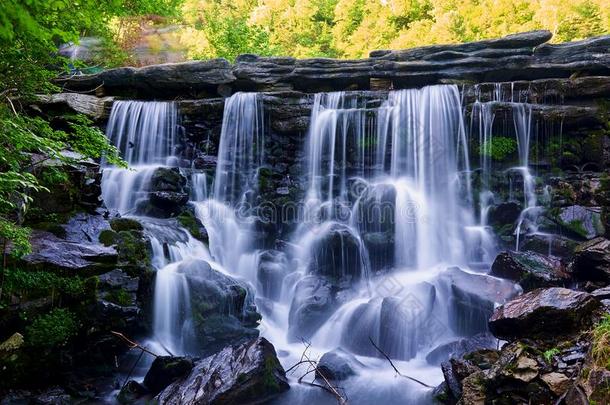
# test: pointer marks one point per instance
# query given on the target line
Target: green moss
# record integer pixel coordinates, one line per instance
(125, 224)
(53, 329)
(119, 297)
(108, 237)
(188, 220)
(498, 148)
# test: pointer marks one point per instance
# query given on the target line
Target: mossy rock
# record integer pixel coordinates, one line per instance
(191, 223)
(108, 237)
(125, 224)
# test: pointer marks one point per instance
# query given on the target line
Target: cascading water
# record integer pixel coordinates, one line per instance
(146, 133)
(387, 211)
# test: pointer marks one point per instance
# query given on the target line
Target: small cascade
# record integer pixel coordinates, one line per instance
(241, 151)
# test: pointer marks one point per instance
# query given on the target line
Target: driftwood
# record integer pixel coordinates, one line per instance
(396, 369)
(312, 367)
(132, 344)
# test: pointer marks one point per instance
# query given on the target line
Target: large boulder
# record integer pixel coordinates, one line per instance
(51, 252)
(337, 365)
(246, 374)
(312, 303)
(458, 348)
(584, 222)
(337, 254)
(543, 313)
(167, 179)
(592, 261)
(472, 298)
(165, 370)
(223, 307)
(531, 270)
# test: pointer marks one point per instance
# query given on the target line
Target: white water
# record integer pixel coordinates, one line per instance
(397, 173)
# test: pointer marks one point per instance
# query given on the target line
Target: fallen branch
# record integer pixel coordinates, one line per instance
(394, 367)
(132, 344)
(313, 368)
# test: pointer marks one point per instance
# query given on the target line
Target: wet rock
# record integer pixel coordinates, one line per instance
(601, 293)
(125, 224)
(53, 396)
(592, 261)
(454, 372)
(531, 270)
(165, 370)
(246, 374)
(461, 347)
(556, 245)
(223, 307)
(337, 254)
(504, 213)
(49, 251)
(167, 179)
(585, 222)
(271, 271)
(131, 392)
(84, 227)
(311, 305)
(169, 202)
(543, 313)
(337, 365)
(473, 298)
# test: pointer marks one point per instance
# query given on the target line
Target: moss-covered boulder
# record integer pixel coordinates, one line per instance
(531, 270)
(165, 370)
(248, 373)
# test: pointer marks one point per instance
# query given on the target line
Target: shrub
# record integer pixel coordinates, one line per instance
(53, 329)
(498, 148)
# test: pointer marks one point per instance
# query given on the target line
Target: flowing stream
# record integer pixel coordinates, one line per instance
(391, 247)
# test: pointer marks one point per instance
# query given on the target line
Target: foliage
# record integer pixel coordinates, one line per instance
(549, 354)
(29, 285)
(601, 343)
(353, 28)
(498, 148)
(53, 329)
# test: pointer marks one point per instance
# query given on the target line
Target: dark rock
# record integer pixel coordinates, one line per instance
(131, 392)
(165, 370)
(454, 372)
(544, 314)
(461, 347)
(85, 228)
(125, 224)
(247, 374)
(167, 179)
(311, 305)
(49, 251)
(592, 261)
(337, 365)
(556, 245)
(601, 293)
(582, 221)
(531, 270)
(473, 298)
(337, 254)
(223, 307)
(53, 396)
(504, 213)
(195, 76)
(169, 202)
(271, 272)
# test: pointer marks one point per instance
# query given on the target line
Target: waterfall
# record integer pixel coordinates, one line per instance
(146, 133)
(388, 211)
(241, 151)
